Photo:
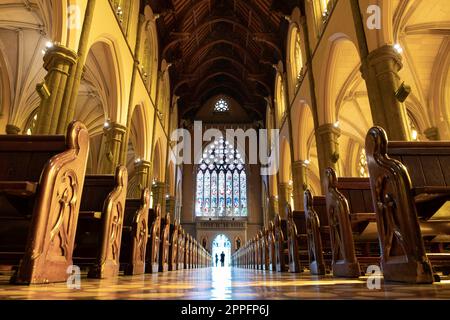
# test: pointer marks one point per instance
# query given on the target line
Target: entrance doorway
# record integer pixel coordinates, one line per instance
(221, 244)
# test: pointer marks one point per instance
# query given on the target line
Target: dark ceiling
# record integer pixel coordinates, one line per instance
(222, 47)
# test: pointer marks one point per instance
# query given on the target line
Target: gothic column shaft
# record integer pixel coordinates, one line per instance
(273, 207)
(142, 170)
(299, 183)
(58, 61)
(380, 71)
(113, 137)
(327, 136)
(159, 195)
(284, 194)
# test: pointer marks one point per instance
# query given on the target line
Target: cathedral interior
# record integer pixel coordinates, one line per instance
(224, 149)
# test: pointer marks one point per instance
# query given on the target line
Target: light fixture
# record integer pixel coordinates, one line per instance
(336, 124)
(398, 48)
(106, 124)
(49, 44)
(414, 134)
(306, 162)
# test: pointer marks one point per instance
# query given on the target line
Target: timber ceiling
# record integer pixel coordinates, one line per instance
(222, 47)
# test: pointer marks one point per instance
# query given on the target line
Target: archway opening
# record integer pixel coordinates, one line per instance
(221, 245)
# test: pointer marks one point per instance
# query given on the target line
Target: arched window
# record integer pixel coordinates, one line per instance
(298, 63)
(280, 99)
(221, 182)
(322, 10)
(221, 105)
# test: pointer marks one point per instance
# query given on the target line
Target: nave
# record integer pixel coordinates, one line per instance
(218, 283)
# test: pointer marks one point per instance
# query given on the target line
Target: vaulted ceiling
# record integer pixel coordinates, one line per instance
(222, 47)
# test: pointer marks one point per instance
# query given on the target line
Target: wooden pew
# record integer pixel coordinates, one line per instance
(281, 251)
(165, 244)
(153, 242)
(265, 254)
(173, 253)
(135, 234)
(409, 181)
(352, 224)
(187, 252)
(99, 230)
(297, 240)
(318, 233)
(41, 181)
(181, 247)
(272, 248)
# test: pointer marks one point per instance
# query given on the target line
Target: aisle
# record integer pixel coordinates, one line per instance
(224, 283)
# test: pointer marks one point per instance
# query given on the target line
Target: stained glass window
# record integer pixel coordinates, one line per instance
(243, 187)
(221, 182)
(221, 106)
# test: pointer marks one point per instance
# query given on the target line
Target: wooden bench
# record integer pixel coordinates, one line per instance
(409, 181)
(353, 229)
(165, 244)
(135, 234)
(153, 242)
(187, 252)
(181, 247)
(272, 248)
(173, 252)
(297, 240)
(41, 181)
(265, 251)
(318, 233)
(281, 250)
(99, 230)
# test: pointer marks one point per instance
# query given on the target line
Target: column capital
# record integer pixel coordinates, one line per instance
(327, 129)
(115, 127)
(142, 165)
(383, 59)
(59, 54)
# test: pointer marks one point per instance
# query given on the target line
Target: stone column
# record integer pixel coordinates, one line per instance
(142, 170)
(284, 195)
(170, 206)
(58, 61)
(159, 195)
(327, 137)
(112, 140)
(299, 183)
(380, 71)
(273, 207)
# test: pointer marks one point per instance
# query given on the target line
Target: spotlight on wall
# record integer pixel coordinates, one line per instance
(403, 92)
(49, 44)
(336, 124)
(106, 124)
(306, 162)
(138, 160)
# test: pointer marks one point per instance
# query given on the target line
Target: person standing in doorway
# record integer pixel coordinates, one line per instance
(217, 259)
(222, 259)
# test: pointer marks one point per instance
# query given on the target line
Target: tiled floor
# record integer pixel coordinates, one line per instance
(224, 283)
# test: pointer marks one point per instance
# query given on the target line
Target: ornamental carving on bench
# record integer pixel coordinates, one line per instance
(67, 198)
(341, 234)
(389, 230)
(294, 259)
(314, 240)
(140, 235)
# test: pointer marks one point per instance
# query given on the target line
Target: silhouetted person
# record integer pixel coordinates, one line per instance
(217, 259)
(222, 259)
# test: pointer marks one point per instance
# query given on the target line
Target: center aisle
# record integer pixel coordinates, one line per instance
(224, 284)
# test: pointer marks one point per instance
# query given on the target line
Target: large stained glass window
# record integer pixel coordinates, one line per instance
(221, 182)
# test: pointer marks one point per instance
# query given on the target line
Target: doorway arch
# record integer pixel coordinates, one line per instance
(220, 244)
